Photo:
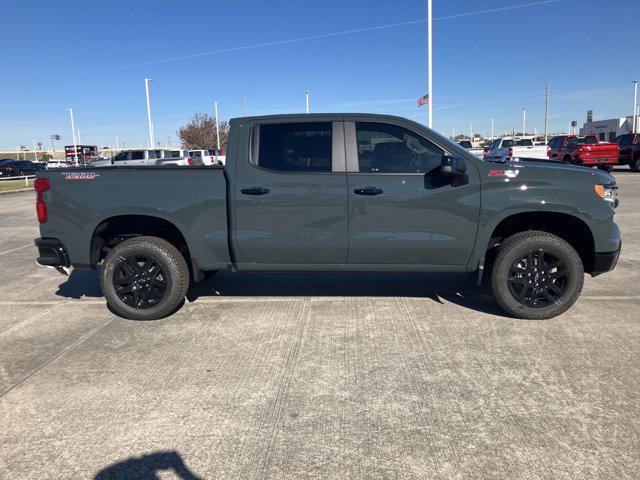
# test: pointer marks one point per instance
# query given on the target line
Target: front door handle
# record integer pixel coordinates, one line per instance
(369, 191)
(254, 191)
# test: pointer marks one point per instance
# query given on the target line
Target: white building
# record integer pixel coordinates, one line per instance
(607, 130)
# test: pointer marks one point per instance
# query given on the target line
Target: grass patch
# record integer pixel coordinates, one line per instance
(5, 186)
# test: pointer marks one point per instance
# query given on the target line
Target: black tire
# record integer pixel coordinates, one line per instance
(144, 278)
(606, 168)
(635, 164)
(567, 159)
(536, 275)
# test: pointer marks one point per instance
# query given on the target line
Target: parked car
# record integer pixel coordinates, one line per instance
(205, 155)
(506, 148)
(333, 192)
(478, 151)
(629, 150)
(584, 150)
(18, 168)
(57, 163)
(149, 157)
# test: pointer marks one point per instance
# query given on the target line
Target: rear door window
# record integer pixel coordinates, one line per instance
(295, 147)
(137, 155)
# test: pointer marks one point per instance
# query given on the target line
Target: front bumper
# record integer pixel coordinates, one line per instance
(605, 262)
(51, 253)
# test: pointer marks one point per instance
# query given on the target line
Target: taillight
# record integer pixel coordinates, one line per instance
(41, 185)
(510, 152)
(189, 161)
(548, 152)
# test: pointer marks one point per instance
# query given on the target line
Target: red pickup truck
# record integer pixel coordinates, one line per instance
(584, 150)
(629, 144)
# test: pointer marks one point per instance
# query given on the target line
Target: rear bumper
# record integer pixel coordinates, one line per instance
(605, 262)
(51, 253)
(593, 161)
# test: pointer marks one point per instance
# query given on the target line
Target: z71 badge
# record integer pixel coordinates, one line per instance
(503, 173)
(80, 175)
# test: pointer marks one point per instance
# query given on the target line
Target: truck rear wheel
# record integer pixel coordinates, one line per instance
(536, 275)
(144, 278)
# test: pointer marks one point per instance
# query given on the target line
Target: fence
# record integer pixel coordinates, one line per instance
(25, 177)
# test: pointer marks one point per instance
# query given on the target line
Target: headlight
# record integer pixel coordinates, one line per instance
(608, 192)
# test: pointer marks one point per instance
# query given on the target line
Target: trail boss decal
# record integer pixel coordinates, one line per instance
(503, 173)
(80, 175)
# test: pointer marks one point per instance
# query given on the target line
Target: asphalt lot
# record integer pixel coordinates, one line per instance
(316, 375)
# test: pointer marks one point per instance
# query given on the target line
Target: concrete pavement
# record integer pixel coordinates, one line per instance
(316, 375)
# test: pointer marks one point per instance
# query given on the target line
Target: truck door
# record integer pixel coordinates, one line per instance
(290, 195)
(624, 143)
(402, 211)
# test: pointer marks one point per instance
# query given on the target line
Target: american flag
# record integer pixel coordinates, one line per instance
(424, 100)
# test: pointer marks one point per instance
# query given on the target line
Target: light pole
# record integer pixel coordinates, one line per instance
(79, 141)
(306, 96)
(546, 113)
(634, 123)
(73, 134)
(146, 86)
(244, 106)
(215, 107)
(429, 61)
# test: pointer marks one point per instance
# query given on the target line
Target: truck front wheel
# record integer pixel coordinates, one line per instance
(144, 278)
(536, 275)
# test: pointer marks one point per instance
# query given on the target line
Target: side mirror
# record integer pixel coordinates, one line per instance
(453, 166)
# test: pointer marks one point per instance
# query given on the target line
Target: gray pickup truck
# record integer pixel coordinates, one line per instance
(332, 192)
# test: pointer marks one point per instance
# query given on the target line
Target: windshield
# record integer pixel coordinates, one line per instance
(524, 142)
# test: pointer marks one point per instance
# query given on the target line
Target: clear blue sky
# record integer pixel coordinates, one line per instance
(491, 64)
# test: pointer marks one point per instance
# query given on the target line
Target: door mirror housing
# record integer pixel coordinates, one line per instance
(453, 166)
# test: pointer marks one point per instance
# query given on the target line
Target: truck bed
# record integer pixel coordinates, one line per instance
(81, 200)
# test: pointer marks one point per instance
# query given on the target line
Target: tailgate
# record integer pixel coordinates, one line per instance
(536, 151)
(599, 153)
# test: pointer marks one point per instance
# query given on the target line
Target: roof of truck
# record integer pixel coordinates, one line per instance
(297, 116)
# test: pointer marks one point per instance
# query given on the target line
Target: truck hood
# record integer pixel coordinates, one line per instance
(534, 169)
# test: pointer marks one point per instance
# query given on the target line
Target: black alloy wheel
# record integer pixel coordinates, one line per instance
(140, 281)
(538, 279)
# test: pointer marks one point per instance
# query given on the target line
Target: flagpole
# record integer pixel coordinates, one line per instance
(429, 66)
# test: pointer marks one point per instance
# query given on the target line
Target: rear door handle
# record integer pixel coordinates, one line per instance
(369, 191)
(254, 191)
